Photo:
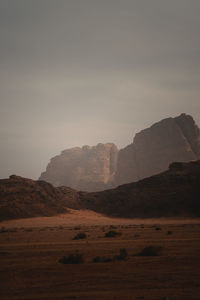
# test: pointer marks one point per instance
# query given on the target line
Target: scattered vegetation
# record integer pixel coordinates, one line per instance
(112, 233)
(3, 230)
(77, 228)
(101, 259)
(28, 229)
(150, 251)
(157, 228)
(113, 227)
(122, 255)
(79, 236)
(72, 259)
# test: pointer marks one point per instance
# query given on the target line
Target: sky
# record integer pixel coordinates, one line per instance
(80, 72)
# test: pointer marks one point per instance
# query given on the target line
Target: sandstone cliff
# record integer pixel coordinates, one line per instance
(87, 168)
(153, 149)
(102, 166)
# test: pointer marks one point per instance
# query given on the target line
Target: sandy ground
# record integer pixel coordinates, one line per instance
(88, 217)
(30, 250)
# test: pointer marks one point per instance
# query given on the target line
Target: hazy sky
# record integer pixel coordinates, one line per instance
(76, 72)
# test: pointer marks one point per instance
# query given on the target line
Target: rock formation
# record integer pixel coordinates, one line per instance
(87, 168)
(154, 148)
(175, 192)
(22, 198)
(102, 166)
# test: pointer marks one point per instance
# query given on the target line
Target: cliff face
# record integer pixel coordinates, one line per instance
(153, 149)
(87, 168)
(102, 166)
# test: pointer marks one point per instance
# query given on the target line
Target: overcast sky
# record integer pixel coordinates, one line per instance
(76, 72)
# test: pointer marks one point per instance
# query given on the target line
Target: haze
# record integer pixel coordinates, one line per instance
(88, 71)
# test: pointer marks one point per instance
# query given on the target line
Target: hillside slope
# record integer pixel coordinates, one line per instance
(21, 198)
(175, 192)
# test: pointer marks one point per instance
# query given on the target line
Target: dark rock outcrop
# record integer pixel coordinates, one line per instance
(102, 166)
(22, 198)
(87, 168)
(175, 192)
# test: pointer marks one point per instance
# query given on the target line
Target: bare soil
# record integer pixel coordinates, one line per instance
(30, 250)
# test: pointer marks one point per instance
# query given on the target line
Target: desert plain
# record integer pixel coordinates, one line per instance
(30, 250)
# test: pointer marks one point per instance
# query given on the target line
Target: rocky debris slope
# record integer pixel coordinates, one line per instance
(175, 192)
(102, 166)
(22, 198)
(87, 168)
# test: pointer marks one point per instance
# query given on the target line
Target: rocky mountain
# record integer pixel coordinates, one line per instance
(153, 149)
(175, 192)
(22, 198)
(87, 168)
(103, 166)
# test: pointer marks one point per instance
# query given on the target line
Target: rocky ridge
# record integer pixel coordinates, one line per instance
(103, 166)
(173, 193)
(23, 197)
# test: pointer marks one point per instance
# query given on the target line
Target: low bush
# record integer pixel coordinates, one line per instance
(157, 228)
(72, 259)
(113, 227)
(77, 228)
(3, 230)
(112, 233)
(122, 255)
(169, 232)
(150, 251)
(79, 236)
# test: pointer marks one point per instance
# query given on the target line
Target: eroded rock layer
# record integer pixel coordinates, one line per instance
(87, 168)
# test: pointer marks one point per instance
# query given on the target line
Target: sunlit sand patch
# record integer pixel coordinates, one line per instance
(88, 217)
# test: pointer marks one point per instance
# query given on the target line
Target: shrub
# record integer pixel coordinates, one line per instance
(79, 236)
(169, 232)
(72, 259)
(122, 255)
(3, 230)
(150, 251)
(112, 233)
(157, 228)
(77, 228)
(113, 227)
